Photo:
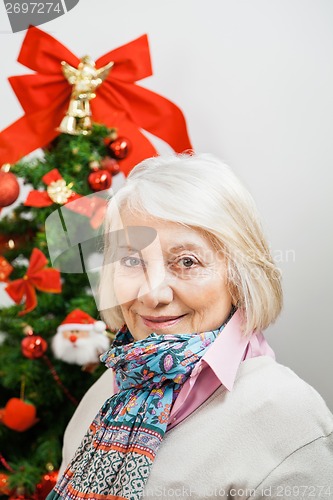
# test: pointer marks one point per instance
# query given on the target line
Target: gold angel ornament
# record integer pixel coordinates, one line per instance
(85, 79)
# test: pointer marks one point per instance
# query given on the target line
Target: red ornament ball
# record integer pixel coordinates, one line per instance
(46, 485)
(19, 415)
(111, 165)
(100, 180)
(33, 346)
(119, 148)
(4, 487)
(9, 188)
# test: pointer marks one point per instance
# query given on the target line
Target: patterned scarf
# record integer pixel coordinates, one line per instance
(116, 455)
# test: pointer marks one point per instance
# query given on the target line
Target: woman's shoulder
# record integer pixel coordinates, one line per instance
(101, 389)
(270, 414)
(94, 398)
(275, 393)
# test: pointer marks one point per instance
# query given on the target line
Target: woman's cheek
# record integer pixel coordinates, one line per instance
(126, 288)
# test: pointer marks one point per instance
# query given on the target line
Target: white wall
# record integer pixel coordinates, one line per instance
(255, 80)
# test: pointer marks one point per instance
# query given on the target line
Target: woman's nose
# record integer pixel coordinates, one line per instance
(156, 288)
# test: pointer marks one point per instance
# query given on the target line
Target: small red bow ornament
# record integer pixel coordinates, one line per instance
(39, 277)
(57, 192)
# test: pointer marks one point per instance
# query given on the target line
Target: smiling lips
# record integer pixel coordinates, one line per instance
(158, 322)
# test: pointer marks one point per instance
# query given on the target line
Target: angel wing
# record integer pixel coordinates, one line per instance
(103, 72)
(69, 72)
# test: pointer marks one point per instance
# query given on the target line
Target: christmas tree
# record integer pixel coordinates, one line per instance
(85, 145)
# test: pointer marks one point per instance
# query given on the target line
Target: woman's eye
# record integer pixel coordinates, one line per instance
(187, 262)
(131, 261)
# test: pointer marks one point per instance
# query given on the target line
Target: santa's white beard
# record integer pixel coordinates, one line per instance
(84, 351)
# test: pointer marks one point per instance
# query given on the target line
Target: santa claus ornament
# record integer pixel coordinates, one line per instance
(80, 339)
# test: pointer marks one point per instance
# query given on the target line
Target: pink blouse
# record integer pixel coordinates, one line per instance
(218, 366)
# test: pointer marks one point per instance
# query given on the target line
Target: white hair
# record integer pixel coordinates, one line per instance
(202, 192)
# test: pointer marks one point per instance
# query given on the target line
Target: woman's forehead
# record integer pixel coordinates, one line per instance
(140, 230)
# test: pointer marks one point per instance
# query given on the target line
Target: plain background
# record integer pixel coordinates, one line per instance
(255, 81)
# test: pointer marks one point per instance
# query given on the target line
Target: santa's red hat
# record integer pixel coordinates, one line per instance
(80, 320)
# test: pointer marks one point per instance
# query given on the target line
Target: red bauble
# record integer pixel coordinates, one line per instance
(4, 488)
(119, 148)
(111, 165)
(100, 180)
(19, 415)
(9, 188)
(46, 485)
(33, 346)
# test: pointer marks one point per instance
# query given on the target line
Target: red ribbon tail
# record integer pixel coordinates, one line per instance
(38, 199)
(20, 139)
(142, 148)
(165, 120)
(31, 300)
(16, 290)
(147, 110)
(31, 132)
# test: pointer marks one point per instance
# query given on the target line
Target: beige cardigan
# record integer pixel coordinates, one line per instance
(270, 437)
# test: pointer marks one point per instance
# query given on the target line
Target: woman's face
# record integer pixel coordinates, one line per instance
(176, 284)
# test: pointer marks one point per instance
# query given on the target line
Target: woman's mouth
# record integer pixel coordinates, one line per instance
(159, 322)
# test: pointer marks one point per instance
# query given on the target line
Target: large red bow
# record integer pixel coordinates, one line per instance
(119, 103)
(37, 276)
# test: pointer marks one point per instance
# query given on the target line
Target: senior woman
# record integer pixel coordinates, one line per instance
(193, 403)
